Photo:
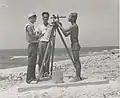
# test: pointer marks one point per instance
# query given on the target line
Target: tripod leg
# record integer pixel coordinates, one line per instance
(45, 55)
(66, 47)
(53, 49)
(44, 58)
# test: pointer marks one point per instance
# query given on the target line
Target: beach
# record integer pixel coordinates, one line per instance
(102, 65)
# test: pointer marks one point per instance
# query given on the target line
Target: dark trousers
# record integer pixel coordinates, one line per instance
(32, 58)
(42, 50)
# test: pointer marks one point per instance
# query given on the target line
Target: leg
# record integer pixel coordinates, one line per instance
(42, 50)
(77, 66)
(41, 54)
(47, 66)
(32, 57)
(35, 46)
(34, 60)
(77, 62)
(48, 60)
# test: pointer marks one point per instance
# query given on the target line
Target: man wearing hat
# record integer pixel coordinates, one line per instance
(32, 38)
(73, 31)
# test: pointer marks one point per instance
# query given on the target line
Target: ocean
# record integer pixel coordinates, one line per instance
(10, 58)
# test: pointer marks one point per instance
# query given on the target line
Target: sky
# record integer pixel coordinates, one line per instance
(97, 21)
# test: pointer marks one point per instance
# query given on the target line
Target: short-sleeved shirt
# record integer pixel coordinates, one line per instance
(31, 38)
(46, 30)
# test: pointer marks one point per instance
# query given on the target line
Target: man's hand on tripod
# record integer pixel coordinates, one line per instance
(58, 22)
(40, 34)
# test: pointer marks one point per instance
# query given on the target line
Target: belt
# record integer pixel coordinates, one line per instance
(43, 41)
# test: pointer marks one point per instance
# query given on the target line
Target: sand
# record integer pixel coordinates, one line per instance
(104, 65)
(98, 91)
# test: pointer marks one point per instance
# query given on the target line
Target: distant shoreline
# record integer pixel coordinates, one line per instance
(18, 58)
(63, 47)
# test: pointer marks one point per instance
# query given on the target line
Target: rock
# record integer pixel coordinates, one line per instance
(57, 76)
(114, 51)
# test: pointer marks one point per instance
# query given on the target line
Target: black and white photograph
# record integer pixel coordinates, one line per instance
(59, 49)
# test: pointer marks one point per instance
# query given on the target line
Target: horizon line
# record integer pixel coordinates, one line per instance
(63, 47)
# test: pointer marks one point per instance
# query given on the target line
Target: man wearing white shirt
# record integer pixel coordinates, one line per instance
(45, 29)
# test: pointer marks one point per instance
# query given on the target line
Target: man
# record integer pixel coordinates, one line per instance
(32, 38)
(45, 29)
(75, 46)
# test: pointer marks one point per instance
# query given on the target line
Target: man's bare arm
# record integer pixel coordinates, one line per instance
(66, 32)
(31, 33)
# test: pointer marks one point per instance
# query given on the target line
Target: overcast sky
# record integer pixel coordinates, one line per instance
(98, 20)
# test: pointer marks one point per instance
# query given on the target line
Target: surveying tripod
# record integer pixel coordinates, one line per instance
(51, 42)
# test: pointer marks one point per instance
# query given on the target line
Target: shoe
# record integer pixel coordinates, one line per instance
(34, 79)
(76, 79)
(29, 81)
(33, 82)
(50, 76)
(46, 74)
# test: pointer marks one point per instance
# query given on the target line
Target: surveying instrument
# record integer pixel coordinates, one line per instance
(51, 45)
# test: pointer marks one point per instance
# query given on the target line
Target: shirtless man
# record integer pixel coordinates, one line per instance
(73, 31)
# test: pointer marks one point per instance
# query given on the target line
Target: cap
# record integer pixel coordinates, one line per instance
(31, 14)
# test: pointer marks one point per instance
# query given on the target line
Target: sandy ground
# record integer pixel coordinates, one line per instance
(102, 66)
(111, 90)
